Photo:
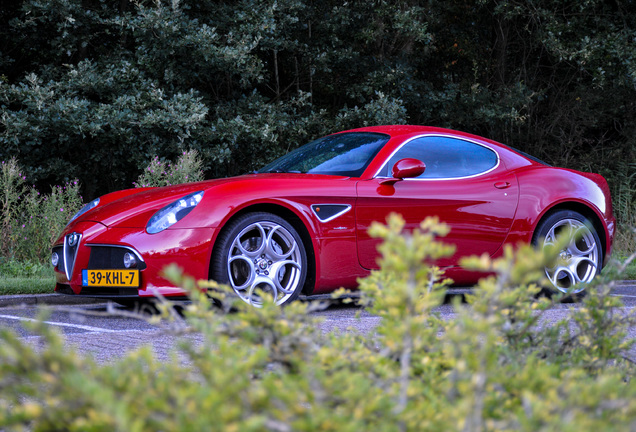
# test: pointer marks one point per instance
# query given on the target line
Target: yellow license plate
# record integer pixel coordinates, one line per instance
(110, 278)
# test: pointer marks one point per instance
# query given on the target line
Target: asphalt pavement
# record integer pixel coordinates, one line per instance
(107, 331)
(45, 299)
(64, 299)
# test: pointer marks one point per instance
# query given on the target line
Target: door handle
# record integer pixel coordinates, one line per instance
(502, 185)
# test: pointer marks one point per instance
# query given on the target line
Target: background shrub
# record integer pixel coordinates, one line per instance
(186, 169)
(95, 88)
(12, 187)
(41, 219)
(32, 221)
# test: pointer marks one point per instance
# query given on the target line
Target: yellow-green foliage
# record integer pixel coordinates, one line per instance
(498, 364)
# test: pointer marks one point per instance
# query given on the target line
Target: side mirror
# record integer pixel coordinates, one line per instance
(405, 168)
(408, 168)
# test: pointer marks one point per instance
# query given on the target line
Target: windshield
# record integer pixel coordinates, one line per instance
(345, 154)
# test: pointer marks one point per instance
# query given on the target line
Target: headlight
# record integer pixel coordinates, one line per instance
(172, 213)
(84, 209)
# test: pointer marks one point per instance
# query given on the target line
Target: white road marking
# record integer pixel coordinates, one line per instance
(78, 326)
(622, 295)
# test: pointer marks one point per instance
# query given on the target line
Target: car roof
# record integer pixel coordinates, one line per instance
(396, 130)
(512, 159)
(399, 130)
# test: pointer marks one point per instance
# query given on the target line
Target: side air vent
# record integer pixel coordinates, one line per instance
(328, 212)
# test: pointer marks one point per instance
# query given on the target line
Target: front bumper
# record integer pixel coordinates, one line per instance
(100, 247)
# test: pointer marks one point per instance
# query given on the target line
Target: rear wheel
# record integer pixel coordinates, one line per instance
(580, 260)
(261, 252)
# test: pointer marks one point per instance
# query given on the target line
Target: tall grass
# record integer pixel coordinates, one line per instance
(624, 200)
(31, 221)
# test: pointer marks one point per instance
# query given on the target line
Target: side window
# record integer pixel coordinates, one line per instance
(445, 157)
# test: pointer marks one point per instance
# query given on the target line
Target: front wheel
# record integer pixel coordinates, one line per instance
(261, 252)
(580, 260)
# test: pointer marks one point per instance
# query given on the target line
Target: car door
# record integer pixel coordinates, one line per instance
(464, 183)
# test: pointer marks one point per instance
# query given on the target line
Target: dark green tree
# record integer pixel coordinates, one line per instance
(96, 88)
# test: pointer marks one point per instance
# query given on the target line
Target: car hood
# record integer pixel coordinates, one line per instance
(133, 208)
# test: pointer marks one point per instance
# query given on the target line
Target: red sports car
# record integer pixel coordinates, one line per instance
(299, 225)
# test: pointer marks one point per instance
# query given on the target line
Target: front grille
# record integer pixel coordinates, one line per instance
(71, 244)
(105, 257)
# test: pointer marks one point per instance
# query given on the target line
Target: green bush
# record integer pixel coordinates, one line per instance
(10, 268)
(42, 218)
(11, 187)
(95, 88)
(186, 169)
(498, 364)
(31, 221)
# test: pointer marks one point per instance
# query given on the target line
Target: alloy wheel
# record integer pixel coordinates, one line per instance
(578, 262)
(264, 256)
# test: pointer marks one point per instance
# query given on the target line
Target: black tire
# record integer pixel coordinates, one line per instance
(582, 258)
(260, 251)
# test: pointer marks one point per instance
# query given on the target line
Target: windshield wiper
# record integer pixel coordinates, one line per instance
(277, 171)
